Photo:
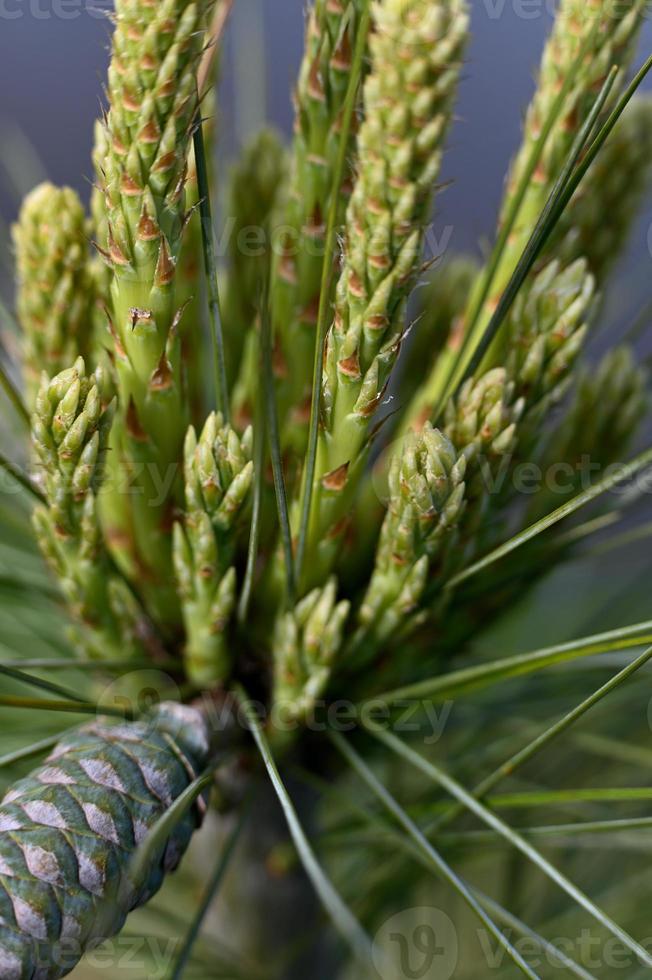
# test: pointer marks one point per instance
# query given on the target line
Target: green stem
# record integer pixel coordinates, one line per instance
(210, 269)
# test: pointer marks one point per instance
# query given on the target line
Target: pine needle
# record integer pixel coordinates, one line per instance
(164, 827)
(626, 472)
(434, 858)
(29, 751)
(14, 397)
(340, 914)
(212, 889)
(38, 682)
(543, 740)
(210, 269)
(471, 678)
(256, 510)
(21, 478)
(271, 410)
(67, 707)
(469, 801)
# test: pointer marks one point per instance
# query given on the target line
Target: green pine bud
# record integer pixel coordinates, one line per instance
(611, 30)
(70, 433)
(482, 419)
(307, 641)
(427, 497)
(153, 100)
(416, 53)
(544, 335)
(482, 422)
(218, 471)
(218, 476)
(55, 289)
(319, 101)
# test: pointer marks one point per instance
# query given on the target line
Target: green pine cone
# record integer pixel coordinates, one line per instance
(55, 288)
(426, 503)
(67, 833)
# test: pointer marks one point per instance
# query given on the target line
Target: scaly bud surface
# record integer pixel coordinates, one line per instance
(482, 423)
(70, 433)
(218, 476)
(544, 335)
(319, 99)
(426, 502)
(55, 287)
(68, 831)
(152, 106)
(307, 641)
(416, 55)
(609, 30)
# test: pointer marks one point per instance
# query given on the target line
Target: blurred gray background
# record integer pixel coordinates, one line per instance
(53, 56)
